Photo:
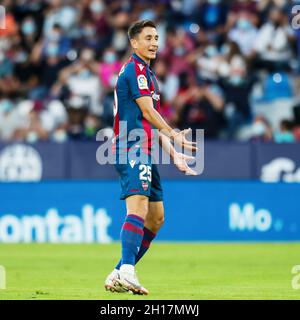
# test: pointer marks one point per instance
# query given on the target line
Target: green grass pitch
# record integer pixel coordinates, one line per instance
(169, 271)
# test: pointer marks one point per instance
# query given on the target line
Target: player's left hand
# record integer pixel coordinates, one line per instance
(180, 160)
(181, 140)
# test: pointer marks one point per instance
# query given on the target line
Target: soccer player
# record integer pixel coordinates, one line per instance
(136, 103)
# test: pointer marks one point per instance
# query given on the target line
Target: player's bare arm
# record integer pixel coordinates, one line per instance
(150, 114)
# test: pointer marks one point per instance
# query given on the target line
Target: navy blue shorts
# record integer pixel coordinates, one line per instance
(140, 178)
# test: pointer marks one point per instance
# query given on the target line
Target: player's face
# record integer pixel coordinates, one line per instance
(146, 43)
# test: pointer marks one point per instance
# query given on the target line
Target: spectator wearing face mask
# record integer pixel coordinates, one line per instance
(261, 130)
(49, 57)
(208, 63)
(95, 31)
(244, 33)
(237, 84)
(88, 37)
(178, 46)
(25, 72)
(81, 78)
(29, 33)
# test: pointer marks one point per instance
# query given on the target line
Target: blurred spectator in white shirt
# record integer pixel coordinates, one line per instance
(273, 43)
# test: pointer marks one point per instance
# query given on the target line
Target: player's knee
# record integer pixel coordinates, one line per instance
(157, 223)
(143, 205)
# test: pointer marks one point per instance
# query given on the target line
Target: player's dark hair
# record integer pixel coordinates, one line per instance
(137, 27)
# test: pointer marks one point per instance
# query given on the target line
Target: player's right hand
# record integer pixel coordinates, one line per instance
(180, 160)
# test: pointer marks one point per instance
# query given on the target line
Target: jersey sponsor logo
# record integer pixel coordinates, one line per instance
(142, 82)
(141, 66)
(145, 185)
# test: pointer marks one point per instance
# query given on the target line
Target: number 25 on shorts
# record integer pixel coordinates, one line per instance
(145, 173)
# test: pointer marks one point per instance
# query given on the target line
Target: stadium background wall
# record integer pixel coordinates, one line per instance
(75, 160)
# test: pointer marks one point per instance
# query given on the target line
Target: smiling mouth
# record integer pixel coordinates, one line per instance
(152, 50)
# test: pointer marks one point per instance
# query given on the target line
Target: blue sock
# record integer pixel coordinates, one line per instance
(148, 237)
(131, 238)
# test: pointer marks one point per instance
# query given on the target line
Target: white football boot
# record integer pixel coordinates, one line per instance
(111, 285)
(130, 282)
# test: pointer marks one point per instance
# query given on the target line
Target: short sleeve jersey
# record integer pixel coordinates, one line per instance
(136, 79)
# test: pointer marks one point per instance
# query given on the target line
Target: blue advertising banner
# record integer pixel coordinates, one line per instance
(85, 212)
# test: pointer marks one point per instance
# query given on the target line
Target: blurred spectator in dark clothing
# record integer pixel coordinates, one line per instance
(92, 124)
(82, 125)
(265, 6)
(29, 33)
(201, 107)
(8, 82)
(26, 73)
(237, 84)
(211, 17)
(285, 133)
(55, 38)
(88, 37)
(77, 111)
(50, 59)
(95, 31)
(119, 39)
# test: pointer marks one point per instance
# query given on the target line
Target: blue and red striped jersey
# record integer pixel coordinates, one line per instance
(136, 79)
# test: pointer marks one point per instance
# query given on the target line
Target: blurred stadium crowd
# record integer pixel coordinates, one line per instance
(229, 67)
